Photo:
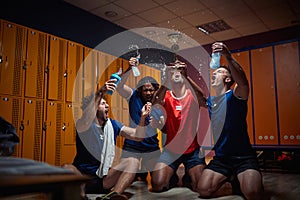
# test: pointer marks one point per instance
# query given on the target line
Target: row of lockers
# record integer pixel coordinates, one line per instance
(42, 81)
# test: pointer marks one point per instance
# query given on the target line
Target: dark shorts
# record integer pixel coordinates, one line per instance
(188, 160)
(146, 155)
(229, 166)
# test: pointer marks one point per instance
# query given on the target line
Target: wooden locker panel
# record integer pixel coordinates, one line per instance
(264, 97)
(13, 56)
(68, 154)
(69, 129)
(32, 133)
(53, 133)
(74, 62)
(56, 68)
(244, 61)
(35, 64)
(102, 74)
(288, 90)
(90, 71)
(11, 109)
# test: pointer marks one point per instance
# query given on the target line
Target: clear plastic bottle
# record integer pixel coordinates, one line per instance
(215, 60)
(135, 69)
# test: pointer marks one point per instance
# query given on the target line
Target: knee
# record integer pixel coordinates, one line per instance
(159, 184)
(252, 192)
(203, 190)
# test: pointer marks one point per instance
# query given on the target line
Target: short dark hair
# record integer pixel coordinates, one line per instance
(145, 80)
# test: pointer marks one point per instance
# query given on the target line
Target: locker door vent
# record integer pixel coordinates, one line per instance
(61, 70)
(58, 134)
(16, 109)
(38, 131)
(18, 61)
(41, 65)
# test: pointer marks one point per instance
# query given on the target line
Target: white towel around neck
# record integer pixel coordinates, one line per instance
(108, 150)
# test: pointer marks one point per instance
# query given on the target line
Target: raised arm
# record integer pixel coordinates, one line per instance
(199, 93)
(241, 88)
(90, 105)
(138, 133)
(124, 90)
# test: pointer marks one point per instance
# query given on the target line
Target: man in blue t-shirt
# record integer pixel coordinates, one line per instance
(95, 145)
(234, 155)
(146, 151)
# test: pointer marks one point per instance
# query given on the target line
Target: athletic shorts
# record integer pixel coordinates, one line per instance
(229, 166)
(189, 160)
(128, 151)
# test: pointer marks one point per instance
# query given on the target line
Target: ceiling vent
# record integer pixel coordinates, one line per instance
(213, 27)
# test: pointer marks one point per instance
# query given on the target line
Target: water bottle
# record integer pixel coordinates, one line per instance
(114, 76)
(215, 60)
(135, 69)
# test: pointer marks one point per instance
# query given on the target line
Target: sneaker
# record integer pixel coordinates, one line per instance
(112, 196)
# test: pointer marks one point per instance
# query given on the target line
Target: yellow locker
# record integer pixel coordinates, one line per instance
(32, 133)
(102, 75)
(90, 71)
(74, 62)
(53, 132)
(264, 98)
(56, 68)
(35, 64)
(69, 129)
(244, 61)
(11, 109)
(288, 88)
(13, 43)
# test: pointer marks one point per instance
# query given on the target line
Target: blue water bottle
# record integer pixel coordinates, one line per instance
(114, 76)
(215, 60)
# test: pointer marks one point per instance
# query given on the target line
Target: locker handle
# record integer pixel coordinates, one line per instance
(64, 127)
(22, 126)
(0, 59)
(44, 126)
(25, 65)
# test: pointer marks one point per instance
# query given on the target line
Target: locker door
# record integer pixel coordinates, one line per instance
(32, 133)
(74, 62)
(264, 99)
(90, 71)
(69, 133)
(56, 68)
(11, 111)
(244, 61)
(69, 129)
(53, 138)
(288, 88)
(35, 64)
(13, 56)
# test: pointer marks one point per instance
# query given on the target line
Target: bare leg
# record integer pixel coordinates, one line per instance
(195, 173)
(122, 175)
(209, 183)
(161, 177)
(251, 184)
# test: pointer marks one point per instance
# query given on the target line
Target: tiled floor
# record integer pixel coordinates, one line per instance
(278, 186)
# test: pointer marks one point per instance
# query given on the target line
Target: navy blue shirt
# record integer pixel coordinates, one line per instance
(150, 142)
(88, 147)
(228, 119)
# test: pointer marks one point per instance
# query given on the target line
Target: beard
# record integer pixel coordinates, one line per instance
(101, 115)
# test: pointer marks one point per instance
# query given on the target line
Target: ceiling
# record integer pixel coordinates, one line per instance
(157, 19)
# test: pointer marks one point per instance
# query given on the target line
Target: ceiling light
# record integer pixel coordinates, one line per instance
(110, 13)
(213, 27)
